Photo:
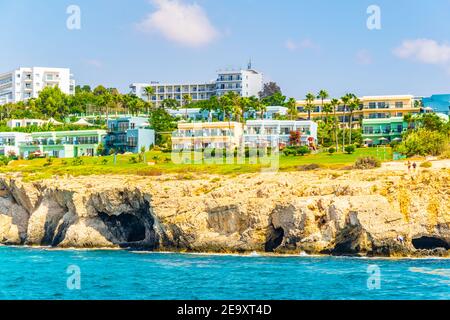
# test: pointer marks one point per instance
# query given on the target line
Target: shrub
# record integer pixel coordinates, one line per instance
(309, 167)
(48, 162)
(331, 150)
(104, 161)
(426, 164)
(77, 162)
(350, 149)
(4, 161)
(367, 163)
(423, 142)
(303, 150)
(133, 160)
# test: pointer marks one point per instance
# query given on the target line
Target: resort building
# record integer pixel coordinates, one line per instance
(246, 83)
(194, 114)
(202, 135)
(10, 141)
(271, 113)
(272, 133)
(129, 134)
(383, 130)
(23, 123)
(197, 91)
(372, 107)
(439, 103)
(26, 83)
(63, 144)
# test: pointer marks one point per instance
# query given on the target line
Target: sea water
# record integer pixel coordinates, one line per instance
(28, 273)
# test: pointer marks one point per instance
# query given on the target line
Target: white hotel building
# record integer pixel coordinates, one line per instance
(246, 83)
(25, 83)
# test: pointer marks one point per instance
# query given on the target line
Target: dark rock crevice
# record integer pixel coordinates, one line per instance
(274, 238)
(430, 243)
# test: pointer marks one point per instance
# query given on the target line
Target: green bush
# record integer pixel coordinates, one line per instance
(331, 150)
(303, 150)
(133, 160)
(77, 162)
(367, 163)
(426, 164)
(48, 162)
(349, 149)
(423, 142)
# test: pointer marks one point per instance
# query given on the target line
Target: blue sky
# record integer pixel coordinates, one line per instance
(302, 45)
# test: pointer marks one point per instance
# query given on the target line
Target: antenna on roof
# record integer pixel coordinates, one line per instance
(249, 66)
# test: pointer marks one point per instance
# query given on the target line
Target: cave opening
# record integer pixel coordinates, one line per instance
(126, 227)
(274, 239)
(430, 243)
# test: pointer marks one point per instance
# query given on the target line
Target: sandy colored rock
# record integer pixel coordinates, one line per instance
(375, 212)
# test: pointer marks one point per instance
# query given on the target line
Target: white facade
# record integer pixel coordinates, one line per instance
(26, 83)
(246, 83)
(277, 132)
(21, 123)
(10, 141)
(198, 91)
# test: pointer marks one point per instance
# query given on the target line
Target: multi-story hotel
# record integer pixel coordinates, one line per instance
(383, 130)
(63, 144)
(129, 134)
(202, 135)
(25, 83)
(273, 133)
(246, 83)
(372, 107)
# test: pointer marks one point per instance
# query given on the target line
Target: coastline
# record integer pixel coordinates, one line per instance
(372, 213)
(212, 254)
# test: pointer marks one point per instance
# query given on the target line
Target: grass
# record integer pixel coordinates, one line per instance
(158, 163)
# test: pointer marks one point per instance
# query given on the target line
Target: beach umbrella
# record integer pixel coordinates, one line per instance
(82, 122)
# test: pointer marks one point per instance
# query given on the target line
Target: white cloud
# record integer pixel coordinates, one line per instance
(364, 57)
(177, 21)
(94, 63)
(304, 44)
(425, 51)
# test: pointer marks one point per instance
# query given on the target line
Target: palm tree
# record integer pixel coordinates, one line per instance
(291, 104)
(345, 100)
(310, 104)
(149, 92)
(327, 108)
(334, 104)
(187, 101)
(354, 105)
(323, 94)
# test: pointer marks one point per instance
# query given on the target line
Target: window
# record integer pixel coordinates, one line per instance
(399, 105)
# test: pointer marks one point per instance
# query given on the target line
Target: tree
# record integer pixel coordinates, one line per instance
(170, 104)
(52, 102)
(327, 108)
(187, 100)
(310, 104)
(335, 104)
(269, 89)
(345, 100)
(291, 104)
(354, 105)
(149, 92)
(295, 138)
(322, 95)
(277, 99)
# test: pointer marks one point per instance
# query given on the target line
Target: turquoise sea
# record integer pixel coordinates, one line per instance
(27, 273)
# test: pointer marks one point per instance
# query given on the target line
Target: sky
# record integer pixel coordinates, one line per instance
(304, 46)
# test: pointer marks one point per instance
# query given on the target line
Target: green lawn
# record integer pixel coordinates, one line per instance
(157, 163)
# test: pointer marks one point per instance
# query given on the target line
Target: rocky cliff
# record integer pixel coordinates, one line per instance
(328, 212)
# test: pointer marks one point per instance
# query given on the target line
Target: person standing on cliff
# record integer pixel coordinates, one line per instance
(409, 167)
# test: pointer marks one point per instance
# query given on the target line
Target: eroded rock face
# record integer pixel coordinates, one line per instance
(362, 212)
